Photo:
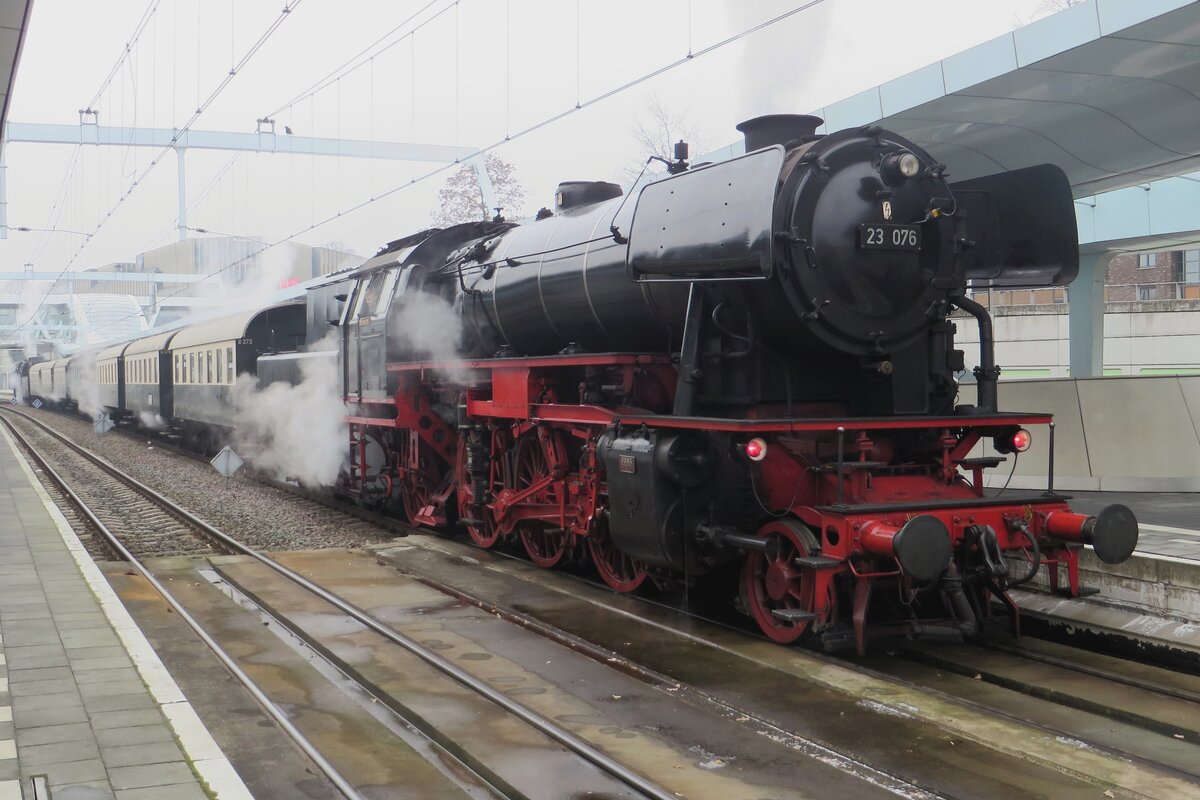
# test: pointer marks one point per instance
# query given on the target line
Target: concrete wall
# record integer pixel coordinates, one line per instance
(1140, 338)
(1111, 434)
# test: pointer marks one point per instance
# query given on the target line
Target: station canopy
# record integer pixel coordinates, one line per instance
(1109, 90)
(14, 19)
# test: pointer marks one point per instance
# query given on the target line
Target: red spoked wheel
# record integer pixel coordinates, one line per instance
(778, 592)
(487, 534)
(545, 545)
(420, 484)
(621, 572)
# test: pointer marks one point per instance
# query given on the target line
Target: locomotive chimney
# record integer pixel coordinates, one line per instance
(777, 129)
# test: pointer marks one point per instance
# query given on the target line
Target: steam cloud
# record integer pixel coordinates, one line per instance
(86, 389)
(297, 431)
(151, 420)
(429, 327)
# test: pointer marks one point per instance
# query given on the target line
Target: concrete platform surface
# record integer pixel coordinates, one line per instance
(86, 707)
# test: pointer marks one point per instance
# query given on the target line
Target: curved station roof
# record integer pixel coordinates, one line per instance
(1109, 90)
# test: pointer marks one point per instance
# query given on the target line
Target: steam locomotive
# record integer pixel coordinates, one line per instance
(749, 362)
(747, 368)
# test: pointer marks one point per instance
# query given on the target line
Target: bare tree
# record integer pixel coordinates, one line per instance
(655, 132)
(1052, 6)
(1044, 8)
(461, 200)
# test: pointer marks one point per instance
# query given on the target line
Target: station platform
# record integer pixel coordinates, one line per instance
(1169, 522)
(87, 710)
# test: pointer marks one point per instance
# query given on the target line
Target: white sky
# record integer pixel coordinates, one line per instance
(516, 61)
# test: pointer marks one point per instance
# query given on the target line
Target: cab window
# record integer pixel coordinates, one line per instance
(372, 295)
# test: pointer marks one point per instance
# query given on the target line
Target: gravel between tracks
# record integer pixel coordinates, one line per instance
(261, 516)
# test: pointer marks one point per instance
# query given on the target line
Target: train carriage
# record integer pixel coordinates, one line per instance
(41, 381)
(58, 379)
(110, 379)
(81, 390)
(149, 379)
(205, 360)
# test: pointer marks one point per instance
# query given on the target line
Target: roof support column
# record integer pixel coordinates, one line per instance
(1086, 315)
(3, 189)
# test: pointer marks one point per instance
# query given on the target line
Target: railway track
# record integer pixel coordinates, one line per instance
(148, 529)
(137, 500)
(1138, 711)
(657, 647)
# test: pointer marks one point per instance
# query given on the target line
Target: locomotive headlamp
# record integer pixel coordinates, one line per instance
(1013, 441)
(899, 167)
(756, 449)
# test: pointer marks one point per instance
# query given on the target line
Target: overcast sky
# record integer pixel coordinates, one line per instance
(472, 74)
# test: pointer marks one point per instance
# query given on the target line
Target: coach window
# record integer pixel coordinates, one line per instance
(232, 366)
(221, 365)
(208, 372)
(192, 367)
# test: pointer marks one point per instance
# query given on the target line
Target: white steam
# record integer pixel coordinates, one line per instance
(151, 420)
(297, 431)
(428, 327)
(84, 387)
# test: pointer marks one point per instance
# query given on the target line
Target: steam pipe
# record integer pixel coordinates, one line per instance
(987, 373)
(729, 537)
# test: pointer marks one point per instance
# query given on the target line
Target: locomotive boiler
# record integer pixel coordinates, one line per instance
(747, 362)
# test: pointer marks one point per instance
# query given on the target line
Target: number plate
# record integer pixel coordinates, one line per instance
(880, 236)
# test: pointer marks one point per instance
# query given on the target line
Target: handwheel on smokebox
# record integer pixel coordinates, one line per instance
(545, 544)
(486, 534)
(778, 592)
(621, 572)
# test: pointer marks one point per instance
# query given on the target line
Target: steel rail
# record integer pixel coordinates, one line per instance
(556, 732)
(268, 705)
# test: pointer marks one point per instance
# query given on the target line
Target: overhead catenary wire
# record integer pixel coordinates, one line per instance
(346, 68)
(258, 44)
(532, 128)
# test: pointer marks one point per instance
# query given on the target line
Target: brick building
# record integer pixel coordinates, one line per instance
(1167, 275)
(1132, 277)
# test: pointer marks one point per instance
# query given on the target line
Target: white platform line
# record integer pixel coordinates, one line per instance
(197, 743)
(1168, 529)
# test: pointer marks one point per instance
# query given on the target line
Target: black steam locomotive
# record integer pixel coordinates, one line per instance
(747, 366)
(749, 360)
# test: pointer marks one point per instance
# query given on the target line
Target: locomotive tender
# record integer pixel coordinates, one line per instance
(750, 360)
